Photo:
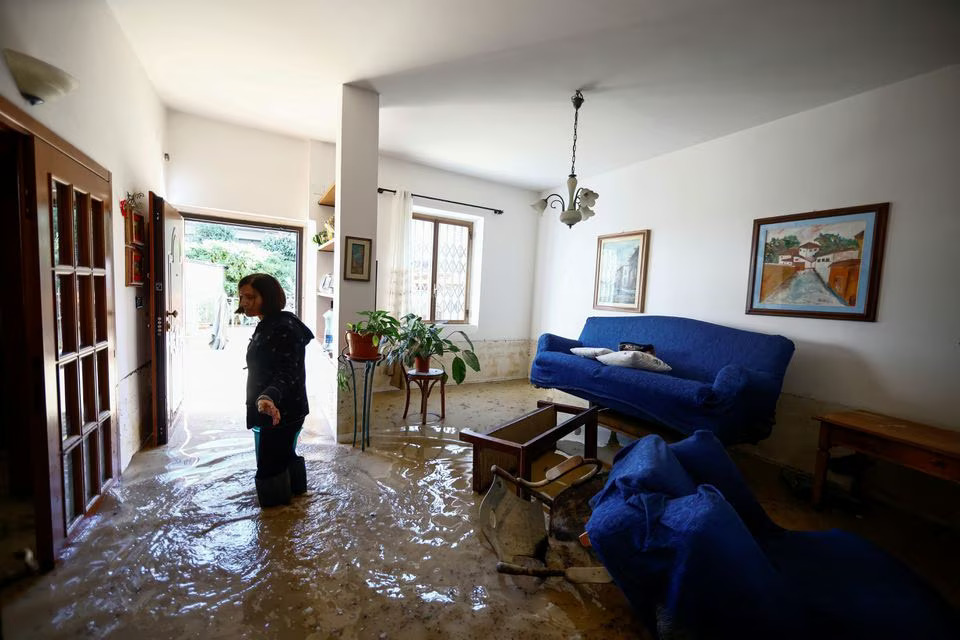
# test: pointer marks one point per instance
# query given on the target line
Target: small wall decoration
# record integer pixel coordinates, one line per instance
(621, 278)
(131, 207)
(135, 237)
(139, 231)
(134, 266)
(822, 264)
(356, 261)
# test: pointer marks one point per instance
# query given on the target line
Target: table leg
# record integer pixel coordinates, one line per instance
(590, 438)
(406, 406)
(443, 397)
(353, 383)
(823, 459)
(424, 394)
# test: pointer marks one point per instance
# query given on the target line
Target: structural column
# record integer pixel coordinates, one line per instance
(356, 216)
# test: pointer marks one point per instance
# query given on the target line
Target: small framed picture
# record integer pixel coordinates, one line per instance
(821, 264)
(135, 267)
(621, 271)
(356, 261)
(138, 233)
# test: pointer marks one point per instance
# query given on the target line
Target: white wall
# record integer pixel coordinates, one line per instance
(116, 118)
(217, 165)
(509, 239)
(245, 174)
(900, 143)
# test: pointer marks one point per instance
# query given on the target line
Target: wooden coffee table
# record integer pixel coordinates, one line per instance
(928, 449)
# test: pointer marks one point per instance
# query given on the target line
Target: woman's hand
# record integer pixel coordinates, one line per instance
(265, 405)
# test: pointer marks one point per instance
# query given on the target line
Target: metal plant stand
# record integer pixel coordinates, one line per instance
(369, 367)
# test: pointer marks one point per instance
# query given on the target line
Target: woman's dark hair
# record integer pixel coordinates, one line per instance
(274, 299)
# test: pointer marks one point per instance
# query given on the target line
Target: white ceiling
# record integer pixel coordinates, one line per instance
(483, 86)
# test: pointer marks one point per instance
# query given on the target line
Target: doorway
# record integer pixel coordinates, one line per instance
(217, 254)
(58, 441)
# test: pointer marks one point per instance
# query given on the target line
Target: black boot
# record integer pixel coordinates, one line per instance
(298, 475)
(274, 490)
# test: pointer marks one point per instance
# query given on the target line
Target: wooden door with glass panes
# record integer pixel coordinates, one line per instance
(76, 299)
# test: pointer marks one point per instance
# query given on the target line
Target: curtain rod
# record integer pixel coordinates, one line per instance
(464, 204)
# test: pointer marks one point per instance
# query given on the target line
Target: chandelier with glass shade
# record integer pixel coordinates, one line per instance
(581, 200)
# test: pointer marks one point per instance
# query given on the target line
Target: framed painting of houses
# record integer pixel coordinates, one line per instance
(822, 264)
(621, 277)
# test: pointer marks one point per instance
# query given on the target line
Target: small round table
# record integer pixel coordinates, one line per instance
(426, 381)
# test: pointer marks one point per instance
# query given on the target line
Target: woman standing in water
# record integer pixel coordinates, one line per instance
(276, 388)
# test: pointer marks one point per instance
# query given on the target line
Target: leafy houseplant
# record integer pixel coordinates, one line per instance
(365, 337)
(326, 234)
(417, 342)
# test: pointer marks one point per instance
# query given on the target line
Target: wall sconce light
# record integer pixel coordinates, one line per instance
(38, 81)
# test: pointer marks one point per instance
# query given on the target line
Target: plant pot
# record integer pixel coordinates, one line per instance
(361, 346)
(421, 364)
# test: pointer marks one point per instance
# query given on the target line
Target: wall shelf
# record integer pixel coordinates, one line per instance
(328, 245)
(329, 198)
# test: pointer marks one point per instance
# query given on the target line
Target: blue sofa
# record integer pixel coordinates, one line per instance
(684, 537)
(723, 379)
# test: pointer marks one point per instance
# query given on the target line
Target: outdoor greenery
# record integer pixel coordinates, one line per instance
(829, 242)
(276, 255)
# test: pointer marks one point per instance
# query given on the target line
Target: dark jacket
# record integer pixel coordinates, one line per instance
(275, 367)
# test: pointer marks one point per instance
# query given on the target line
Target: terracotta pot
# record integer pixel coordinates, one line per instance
(421, 364)
(361, 346)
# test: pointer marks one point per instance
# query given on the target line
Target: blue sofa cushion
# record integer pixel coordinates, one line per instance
(693, 556)
(707, 462)
(647, 465)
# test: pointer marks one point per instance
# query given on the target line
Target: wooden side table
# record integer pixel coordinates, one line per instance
(426, 382)
(515, 445)
(933, 451)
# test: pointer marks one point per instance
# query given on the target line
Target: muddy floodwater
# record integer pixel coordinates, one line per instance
(384, 545)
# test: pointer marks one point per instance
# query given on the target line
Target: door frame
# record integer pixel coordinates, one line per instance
(51, 532)
(238, 222)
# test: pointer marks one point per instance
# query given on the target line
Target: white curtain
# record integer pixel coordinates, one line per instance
(401, 223)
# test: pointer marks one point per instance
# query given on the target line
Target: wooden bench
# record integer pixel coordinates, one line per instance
(928, 449)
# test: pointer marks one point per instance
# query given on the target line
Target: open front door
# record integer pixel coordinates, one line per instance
(166, 313)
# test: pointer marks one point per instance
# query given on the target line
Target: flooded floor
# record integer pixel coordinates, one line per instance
(383, 545)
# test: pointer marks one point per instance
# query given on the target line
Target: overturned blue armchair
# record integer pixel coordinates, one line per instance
(723, 379)
(684, 537)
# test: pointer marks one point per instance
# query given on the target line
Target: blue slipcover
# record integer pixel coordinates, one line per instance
(723, 379)
(693, 568)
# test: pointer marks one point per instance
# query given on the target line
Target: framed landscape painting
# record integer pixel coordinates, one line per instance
(356, 260)
(621, 276)
(822, 264)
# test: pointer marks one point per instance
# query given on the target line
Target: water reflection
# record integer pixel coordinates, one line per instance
(383, 545)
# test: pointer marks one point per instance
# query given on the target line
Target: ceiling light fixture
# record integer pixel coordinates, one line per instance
(581, 200)
(37, 80)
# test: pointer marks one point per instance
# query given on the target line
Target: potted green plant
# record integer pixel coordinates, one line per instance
(366, 337)
(417, 342)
